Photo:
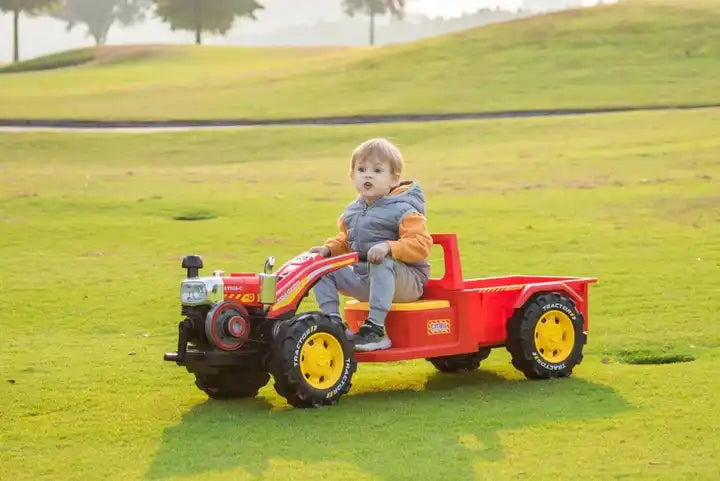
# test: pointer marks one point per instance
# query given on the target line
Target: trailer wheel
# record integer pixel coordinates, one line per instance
(231, 382)
(312, 361)
(546, 337)
(460, 362)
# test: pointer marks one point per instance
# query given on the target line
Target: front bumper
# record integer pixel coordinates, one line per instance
(193, 357)
(197, 360)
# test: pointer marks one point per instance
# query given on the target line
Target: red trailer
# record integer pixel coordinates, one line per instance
(459, 320)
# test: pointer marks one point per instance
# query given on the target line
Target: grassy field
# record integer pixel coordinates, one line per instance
(90, 301)
(639, 52)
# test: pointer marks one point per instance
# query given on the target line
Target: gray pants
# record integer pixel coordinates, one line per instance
(391, 281)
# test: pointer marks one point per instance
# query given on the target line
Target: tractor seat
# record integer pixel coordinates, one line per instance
(421, 305)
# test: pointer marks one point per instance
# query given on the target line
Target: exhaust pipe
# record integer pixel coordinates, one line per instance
(193, 264)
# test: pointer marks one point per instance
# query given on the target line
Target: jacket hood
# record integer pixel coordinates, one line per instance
(409, 192)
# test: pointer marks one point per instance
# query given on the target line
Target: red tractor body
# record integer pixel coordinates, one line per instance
(239, 329)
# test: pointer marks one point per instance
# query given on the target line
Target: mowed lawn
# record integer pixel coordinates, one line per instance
(91, 269)
(635, 53)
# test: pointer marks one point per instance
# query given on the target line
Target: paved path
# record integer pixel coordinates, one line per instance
(28, 125)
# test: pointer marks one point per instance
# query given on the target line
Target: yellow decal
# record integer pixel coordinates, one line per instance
(249, 297)
(501, 288)
(438, 326)
(422, 305)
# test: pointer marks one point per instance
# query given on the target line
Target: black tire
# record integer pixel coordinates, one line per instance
(293, 379)
(460, 362)
(528, 343)
(231, 383)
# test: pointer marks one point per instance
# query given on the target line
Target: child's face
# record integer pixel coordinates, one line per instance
(373, 179)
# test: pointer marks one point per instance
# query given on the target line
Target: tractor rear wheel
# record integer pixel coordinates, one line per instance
(312, 360)
(460, 362)
(546, 336)
(231, 382)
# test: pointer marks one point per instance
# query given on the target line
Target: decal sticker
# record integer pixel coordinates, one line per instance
(438, 326)
(249, 297)
(501, 288)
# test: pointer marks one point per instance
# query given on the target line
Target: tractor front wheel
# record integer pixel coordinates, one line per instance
(312, 361)
(460, 362)
(231, 382)
(546, 336)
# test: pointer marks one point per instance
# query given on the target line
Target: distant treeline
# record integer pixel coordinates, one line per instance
(218, 17)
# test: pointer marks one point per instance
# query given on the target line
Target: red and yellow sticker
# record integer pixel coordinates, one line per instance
(438, 326)
(246, 297)
(501, 288)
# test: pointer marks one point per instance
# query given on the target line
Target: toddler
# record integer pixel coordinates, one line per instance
(387, 224)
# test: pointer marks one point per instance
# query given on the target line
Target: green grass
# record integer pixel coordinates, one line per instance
(90, 301)
(659, 356)
(633, 53)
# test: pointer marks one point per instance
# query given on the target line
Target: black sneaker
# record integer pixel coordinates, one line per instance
(371, 338)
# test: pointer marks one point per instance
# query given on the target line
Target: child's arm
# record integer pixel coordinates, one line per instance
(339, 244)
(415, 241)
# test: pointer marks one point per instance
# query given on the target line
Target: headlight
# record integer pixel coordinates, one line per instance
(193, 292)
(203, 290)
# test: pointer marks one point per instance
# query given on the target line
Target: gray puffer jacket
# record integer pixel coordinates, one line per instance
(368, 225)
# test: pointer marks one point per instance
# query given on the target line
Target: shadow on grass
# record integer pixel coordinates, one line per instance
(400, 433)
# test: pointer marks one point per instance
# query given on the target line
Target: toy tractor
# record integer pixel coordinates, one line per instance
(240, 329)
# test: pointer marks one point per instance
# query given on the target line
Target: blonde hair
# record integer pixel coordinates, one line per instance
(381, 149)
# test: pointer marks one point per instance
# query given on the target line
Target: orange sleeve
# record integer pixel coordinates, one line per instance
(339, 244)
(415, 241)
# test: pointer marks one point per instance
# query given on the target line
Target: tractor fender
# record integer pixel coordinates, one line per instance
(531, 289)
(298, 285)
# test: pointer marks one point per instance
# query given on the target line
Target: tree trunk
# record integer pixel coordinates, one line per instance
(372, 28)
(198, 23)
(100, 35)
(16, 36)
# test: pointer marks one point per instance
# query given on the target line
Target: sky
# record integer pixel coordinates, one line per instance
(42, 35)
(445, 8)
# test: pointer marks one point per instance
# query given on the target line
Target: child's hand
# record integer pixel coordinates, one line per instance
(378, 252)
(322, 250)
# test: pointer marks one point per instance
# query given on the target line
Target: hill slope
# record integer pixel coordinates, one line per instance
(634, 53)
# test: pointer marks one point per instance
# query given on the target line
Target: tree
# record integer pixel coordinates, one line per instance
(100, 15)
(213, 16)
(18, 6)
(374, 7)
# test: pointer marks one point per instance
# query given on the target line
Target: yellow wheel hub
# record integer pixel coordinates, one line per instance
(321, 360)
(554, 336)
